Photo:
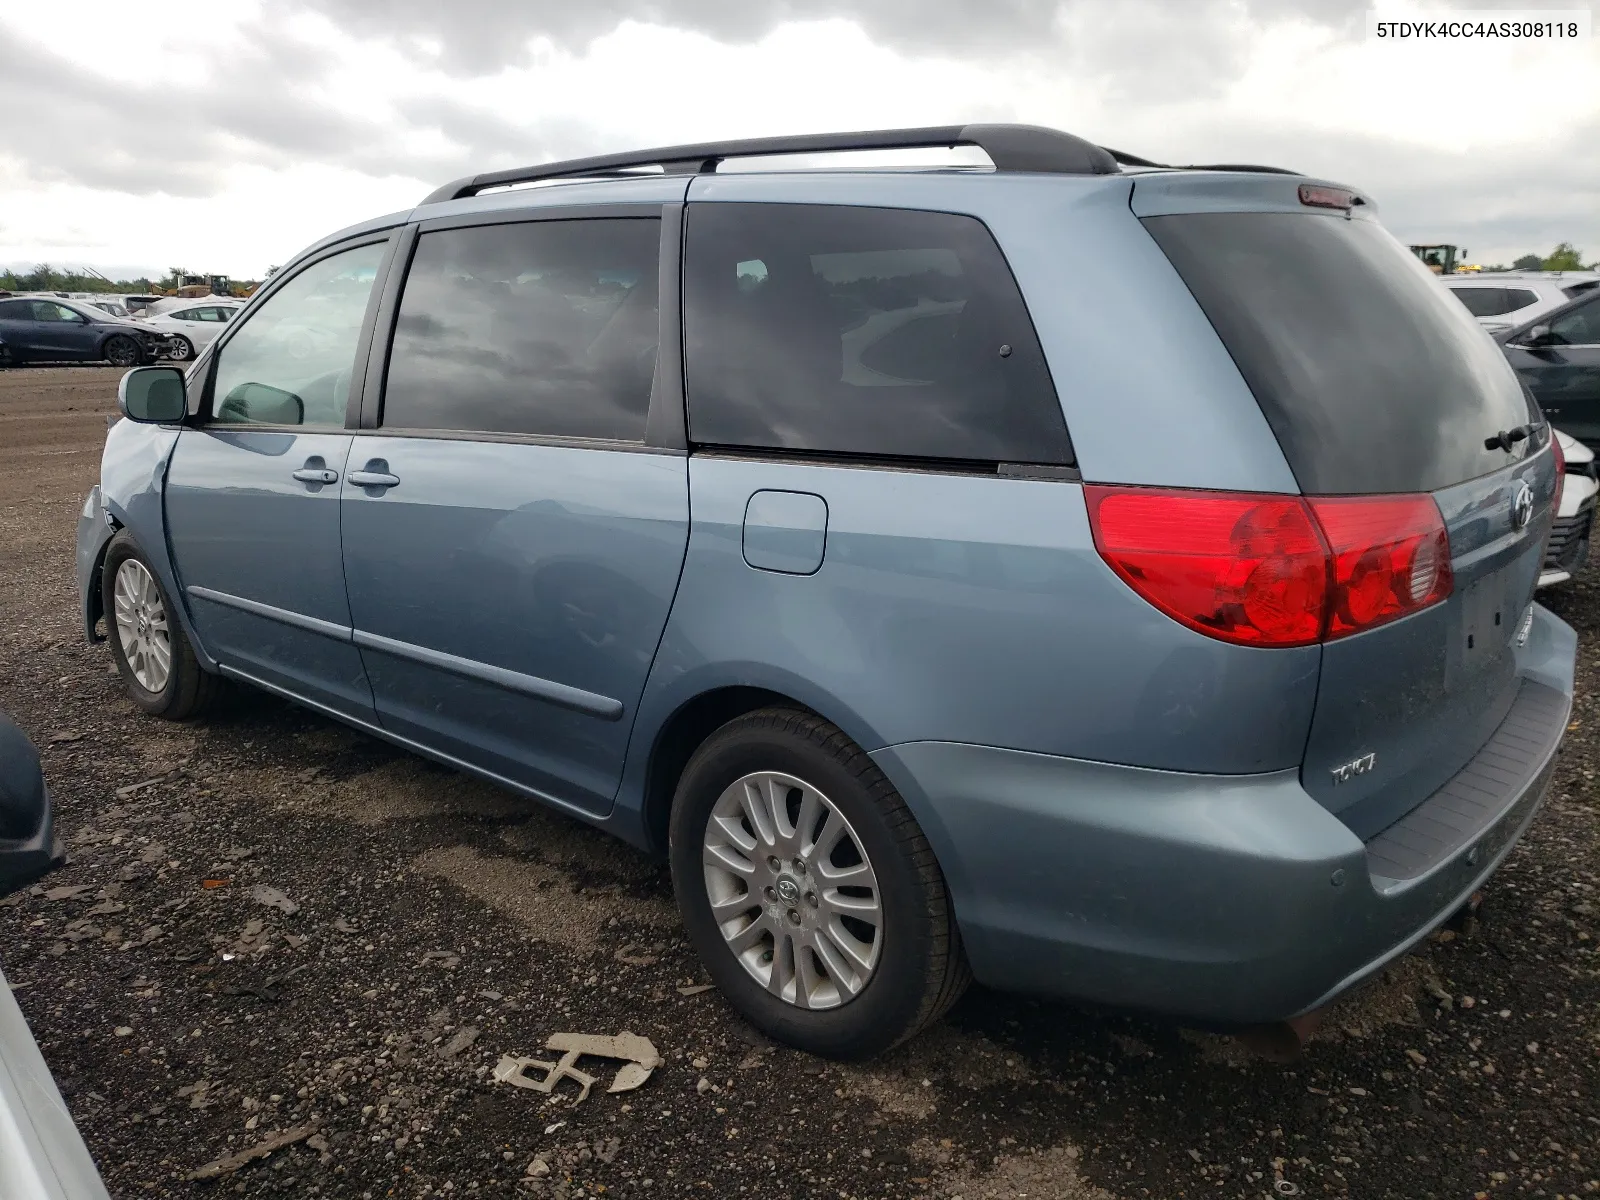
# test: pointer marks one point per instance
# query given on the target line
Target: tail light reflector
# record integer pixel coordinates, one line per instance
(1267, 570)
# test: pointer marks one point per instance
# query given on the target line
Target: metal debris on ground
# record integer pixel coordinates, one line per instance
(131, 788)
(463, 1038)
(273, 898)
(70, 891)
(640, 1053)
(230, 1164)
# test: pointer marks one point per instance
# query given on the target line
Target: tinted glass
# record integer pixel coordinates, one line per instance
(16, 310)
(547, 327)
(1371, 378)
(1519, 298)
(1484, 301)
(1580, 327)
(1578, 289)
(291, 362)
(59, 314)
(863, 331)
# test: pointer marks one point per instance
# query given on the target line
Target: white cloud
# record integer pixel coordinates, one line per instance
(225, 137)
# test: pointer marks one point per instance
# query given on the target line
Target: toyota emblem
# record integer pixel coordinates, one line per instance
(1522, 506)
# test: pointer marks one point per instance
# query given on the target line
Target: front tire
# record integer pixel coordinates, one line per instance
(157, 664)
(122, 351)
(808, 889)
(180, 348)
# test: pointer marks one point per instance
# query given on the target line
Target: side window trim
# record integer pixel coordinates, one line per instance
(665, 424)
(386, 237)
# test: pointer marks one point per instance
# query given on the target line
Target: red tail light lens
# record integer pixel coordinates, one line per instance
(1263, 570)
(1391, 557)
(1245, 568)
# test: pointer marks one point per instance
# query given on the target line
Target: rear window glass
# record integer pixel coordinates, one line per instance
(1371, 377)
(879, 332)
(1520, 298)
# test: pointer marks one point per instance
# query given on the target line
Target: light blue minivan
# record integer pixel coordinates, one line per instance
(1105, 580)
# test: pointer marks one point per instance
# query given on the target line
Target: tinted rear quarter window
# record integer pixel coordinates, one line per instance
(1372, 379)
(1484, 301)
(875, 332)
(543, 327)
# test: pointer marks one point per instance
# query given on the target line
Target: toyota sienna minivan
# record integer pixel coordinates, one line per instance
(1101, 579)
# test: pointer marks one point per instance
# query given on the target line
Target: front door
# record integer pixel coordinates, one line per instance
(253, 492)
(511, 544)
(62, 334)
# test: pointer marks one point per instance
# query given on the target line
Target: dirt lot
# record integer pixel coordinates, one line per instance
(441, 923)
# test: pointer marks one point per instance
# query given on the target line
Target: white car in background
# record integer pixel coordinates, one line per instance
(190, 327)
(1568, 548)
(1505, 299)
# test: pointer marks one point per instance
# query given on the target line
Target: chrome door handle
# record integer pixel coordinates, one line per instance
(316, 475)
(380, 479)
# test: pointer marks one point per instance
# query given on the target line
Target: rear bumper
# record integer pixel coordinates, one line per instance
(1226, 899)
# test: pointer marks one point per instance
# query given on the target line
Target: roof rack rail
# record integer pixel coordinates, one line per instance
(1133, 160)
(1009, 147)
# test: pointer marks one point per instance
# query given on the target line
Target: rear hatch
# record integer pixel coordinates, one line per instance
(1376, 382)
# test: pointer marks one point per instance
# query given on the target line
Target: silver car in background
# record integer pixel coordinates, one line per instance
(193, 326)
(1503, 300)
(42, 1157)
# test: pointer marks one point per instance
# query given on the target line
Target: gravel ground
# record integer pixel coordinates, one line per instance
(438, 923)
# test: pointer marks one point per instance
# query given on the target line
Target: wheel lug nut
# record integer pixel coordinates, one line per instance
(811, 899)
(799, 867)
(772, 861)
(770, 892)
(794, 917)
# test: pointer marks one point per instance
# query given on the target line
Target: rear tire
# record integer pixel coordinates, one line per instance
(179, 348)
(153, 655)
(849, 946)
(122, 351)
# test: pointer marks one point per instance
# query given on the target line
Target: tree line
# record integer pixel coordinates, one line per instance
(45, 278)
(1565, 257)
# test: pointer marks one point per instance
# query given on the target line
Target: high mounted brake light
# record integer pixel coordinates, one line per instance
(1318, 196)
(1265, 570)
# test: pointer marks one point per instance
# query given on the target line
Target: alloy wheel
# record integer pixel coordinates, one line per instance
(142, 631)
(792, 890)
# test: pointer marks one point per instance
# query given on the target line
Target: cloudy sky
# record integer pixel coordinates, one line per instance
(225, 136)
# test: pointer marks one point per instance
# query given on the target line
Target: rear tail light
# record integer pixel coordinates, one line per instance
(1265, 570)
(1391, 557)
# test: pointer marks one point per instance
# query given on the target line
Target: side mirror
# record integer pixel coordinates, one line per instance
(153, 395)
(262, 404)
(1536, 335)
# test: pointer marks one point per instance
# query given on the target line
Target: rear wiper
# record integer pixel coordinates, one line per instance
(1508, 438)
